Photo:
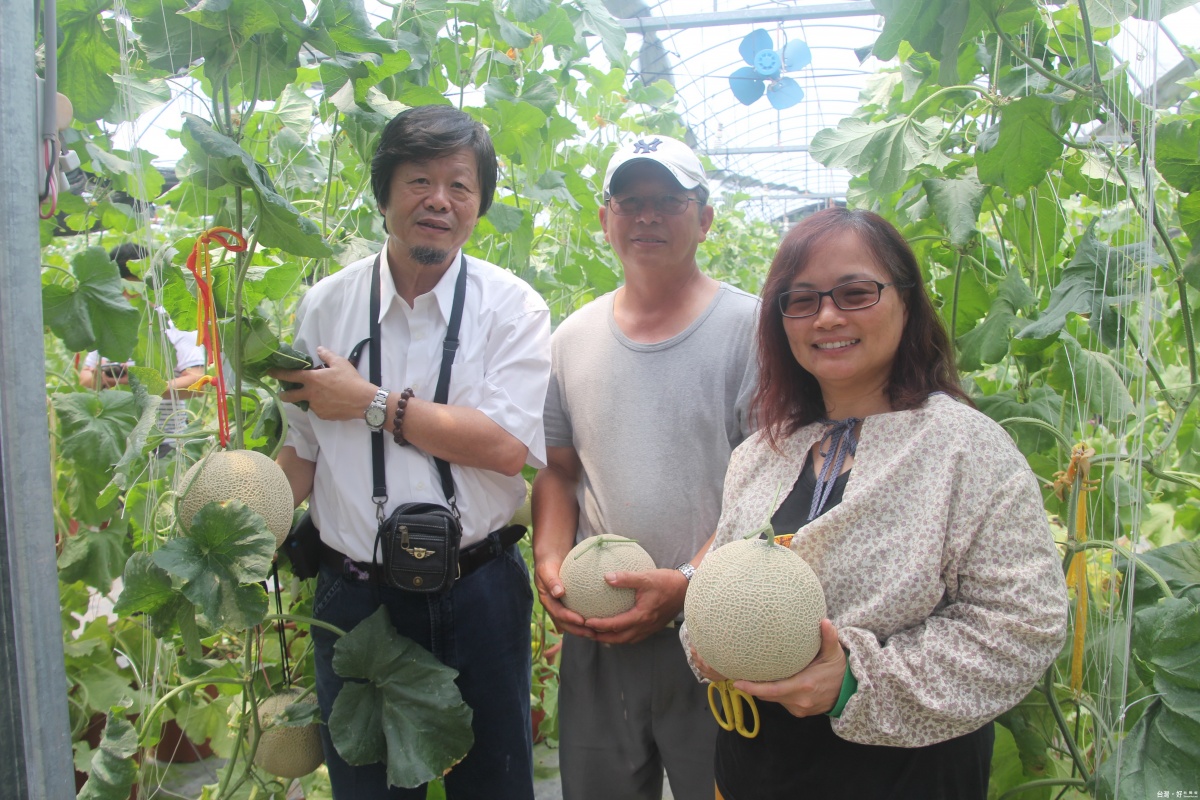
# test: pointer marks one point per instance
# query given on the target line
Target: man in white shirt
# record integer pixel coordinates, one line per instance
(433, 176)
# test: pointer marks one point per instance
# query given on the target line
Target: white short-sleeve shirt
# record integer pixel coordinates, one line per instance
(502, 368)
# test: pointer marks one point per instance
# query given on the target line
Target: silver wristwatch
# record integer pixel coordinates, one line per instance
(687, 569)
(376, 413)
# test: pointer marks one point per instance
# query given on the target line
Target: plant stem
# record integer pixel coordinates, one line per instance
(1133, 557)
(242, 263)
(1040, 783)
(954, 297)
(306, 620)
(1061, 721)
(1153, 370)
(1177, 423)
(144, 722)
(329, 173)
(1031, 63)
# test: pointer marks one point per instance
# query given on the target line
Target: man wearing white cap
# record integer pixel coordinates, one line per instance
(649, 395)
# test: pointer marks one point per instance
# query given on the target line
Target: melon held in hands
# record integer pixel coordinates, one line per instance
(238, 475)
(582, 573)
(754, 611)
(287, 751)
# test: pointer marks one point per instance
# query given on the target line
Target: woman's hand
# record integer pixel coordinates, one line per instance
(704, 669)
(814, 689)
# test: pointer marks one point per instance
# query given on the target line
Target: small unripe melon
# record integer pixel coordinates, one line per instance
(287, 751)
(754, 611)
(238, 475)
(583, 571)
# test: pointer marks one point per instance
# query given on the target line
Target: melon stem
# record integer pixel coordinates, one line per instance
(766, 531)
(601, 540)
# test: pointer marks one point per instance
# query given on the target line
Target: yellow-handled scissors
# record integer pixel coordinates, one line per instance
(731, 715)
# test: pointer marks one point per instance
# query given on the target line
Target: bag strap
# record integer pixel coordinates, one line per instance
(441, 394)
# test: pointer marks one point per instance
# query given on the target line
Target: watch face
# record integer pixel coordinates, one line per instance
(375, 417)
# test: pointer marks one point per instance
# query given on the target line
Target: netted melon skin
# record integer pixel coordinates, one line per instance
(754, 611)
(287, 751)
(583, 571)
(238, 475)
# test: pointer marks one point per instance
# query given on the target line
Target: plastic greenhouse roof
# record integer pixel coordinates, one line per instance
(764, 151)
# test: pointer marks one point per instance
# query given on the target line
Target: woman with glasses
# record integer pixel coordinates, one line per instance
(944, 591)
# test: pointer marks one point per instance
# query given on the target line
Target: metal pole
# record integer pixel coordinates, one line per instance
(35, 735)
(754, 16)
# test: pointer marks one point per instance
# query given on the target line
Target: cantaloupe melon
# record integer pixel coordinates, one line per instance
(288, 751)
(583, 571)
(238, 475)
(754, 610)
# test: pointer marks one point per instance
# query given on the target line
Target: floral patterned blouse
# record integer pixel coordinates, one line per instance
(939, 569)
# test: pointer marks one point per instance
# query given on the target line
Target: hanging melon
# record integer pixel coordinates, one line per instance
(238, 475)
(754, 610)
(287, 751)
(584, 568)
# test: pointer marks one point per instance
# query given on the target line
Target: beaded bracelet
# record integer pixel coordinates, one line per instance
(398, 425)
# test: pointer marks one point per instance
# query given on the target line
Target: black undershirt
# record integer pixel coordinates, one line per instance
(795, 758)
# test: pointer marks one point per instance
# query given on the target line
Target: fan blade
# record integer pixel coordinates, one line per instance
(796, 55)
(746, 85)
(757, 40)
(785, 93)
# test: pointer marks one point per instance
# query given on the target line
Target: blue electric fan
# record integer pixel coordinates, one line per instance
(765, 70)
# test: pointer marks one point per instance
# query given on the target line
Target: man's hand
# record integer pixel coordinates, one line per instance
(659, 600)
(550, 591)
(334, 392)
(814, 689)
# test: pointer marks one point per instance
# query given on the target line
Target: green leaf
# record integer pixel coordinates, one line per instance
(87, 59)
(94, 557)
(888, 152)
(148, 405)
(138, 97)
(350, 28)
(1034, 224)
(1167, 636)
(1189, 220)
(113, 768)
(598, 21)
(504, 217)
(988, 343)
(550, 187)
(511, 34)
(94, 315)
(516, 128)
(225, 554)
(1177, 154)
(1025, 148)
(1160, 9)
(1163, 748)
(1041, 403)
(409, 712)
(527, 10)
(1178, 564)
(365, 70)
(1095, 280)
(956, 202)
(146, 587)
(95, 427)
(1092, 379)
(219, 160)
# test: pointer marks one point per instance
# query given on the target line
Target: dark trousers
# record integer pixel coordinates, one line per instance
(481, 629)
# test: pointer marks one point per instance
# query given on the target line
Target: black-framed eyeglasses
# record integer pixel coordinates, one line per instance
(670, 205)
(852, 296)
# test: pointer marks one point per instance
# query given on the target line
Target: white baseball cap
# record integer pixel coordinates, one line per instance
(677, 157)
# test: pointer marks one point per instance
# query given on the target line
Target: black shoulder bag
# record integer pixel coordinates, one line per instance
(419, 540)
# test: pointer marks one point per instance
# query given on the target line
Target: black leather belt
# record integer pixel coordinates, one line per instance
(469, 558)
